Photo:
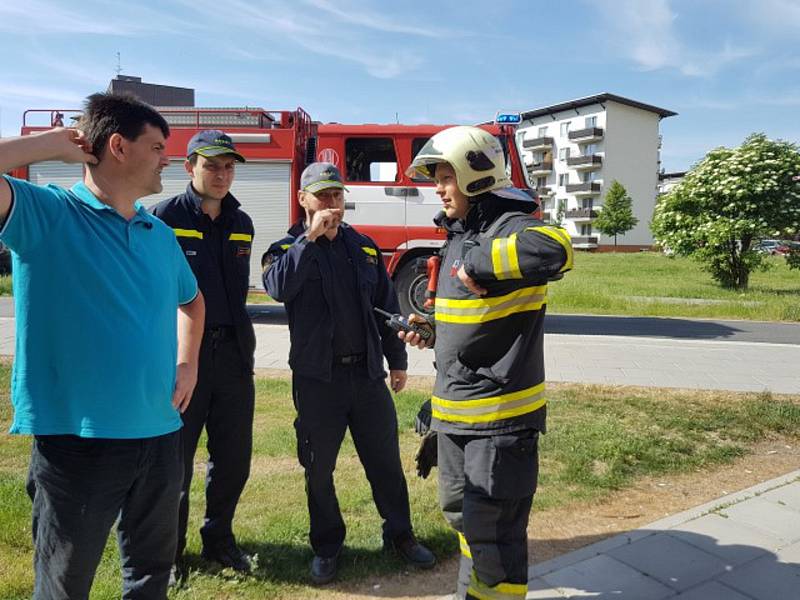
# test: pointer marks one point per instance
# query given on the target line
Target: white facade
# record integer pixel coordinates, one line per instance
(575, 150)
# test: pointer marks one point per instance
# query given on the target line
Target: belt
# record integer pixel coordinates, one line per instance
(349, 359)
(223, 332)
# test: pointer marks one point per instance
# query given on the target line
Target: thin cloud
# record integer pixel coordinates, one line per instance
(649, 37)
(372, 21)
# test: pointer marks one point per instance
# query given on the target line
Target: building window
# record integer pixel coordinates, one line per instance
(589, 149)
(586, 229)
(563, 179)
(370, 159)
(563, 153)
(589, 176)
(565, 128)
(587, 203)
(591, 122)
(542, 131)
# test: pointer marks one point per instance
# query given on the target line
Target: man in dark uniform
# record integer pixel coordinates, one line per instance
(216, 237)
(488, 405)
(330, 277)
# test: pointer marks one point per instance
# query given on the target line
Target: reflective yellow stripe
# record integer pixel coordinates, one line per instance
(241, 237)
(190, 233)
(370, 251)
(285, 246)
(562, 237)
(501, 591)
(494, 408)
(505, 263)
(462, 542)
(480, 310)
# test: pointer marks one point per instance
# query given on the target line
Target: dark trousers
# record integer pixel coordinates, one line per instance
(79, 487)
(486, 487)
(324, 412)
(223, 403)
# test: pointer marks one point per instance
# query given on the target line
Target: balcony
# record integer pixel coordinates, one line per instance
(586, 136)
(544, 191)
(584, 242)
(585, 163)
(539, 169)
(583, 189)
(540, 143)
(581, 214)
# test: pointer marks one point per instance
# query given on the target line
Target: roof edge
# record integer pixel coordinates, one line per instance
(595, 99)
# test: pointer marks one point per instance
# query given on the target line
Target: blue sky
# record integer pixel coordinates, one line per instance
(728, 67)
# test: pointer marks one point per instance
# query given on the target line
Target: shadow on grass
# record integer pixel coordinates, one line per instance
(289, 564)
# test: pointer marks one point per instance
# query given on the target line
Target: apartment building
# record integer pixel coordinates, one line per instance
(574, 150)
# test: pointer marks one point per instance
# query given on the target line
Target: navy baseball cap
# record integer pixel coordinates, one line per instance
(320, 176)
(212, 142)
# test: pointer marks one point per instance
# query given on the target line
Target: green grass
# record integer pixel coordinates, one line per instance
(651, 284)
(5, 285)
(601, 439)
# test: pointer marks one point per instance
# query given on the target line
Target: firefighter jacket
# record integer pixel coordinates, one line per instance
(183, 214)
(489, 349)
(299, 273)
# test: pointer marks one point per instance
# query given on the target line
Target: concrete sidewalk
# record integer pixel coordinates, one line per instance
(745, 546)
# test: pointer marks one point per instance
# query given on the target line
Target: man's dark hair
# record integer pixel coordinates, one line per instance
(106, 114)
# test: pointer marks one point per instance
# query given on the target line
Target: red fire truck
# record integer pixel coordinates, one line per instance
(382, 202)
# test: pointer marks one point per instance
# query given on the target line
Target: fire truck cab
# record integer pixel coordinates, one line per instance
(382, 201)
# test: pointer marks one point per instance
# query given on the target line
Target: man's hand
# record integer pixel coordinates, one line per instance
(470, 283)
(427, 455)
(397, 380)
(412, 338)
(324, 222)
(185, 380)
(70, 146)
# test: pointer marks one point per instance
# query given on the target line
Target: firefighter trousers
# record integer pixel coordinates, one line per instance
(486, 487)
(223, 403)
(324, 411)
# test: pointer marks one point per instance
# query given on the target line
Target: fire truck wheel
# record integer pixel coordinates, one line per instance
(411, 286)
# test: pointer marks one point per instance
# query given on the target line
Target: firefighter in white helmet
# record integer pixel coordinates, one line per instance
(488, 405)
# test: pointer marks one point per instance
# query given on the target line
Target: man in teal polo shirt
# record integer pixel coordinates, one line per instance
(109, 323)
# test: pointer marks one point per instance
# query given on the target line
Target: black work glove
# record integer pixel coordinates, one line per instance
(422, 422)
(427, 455)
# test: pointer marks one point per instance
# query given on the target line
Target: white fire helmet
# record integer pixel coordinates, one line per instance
(477, 158)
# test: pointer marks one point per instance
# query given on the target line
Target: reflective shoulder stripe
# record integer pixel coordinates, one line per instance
(494, 408)
(285, 246)
(481, 310)
(189, 233)
(505, 263)
(370, 251)
(562, 237)
(501, 591)
(241, 237)
(462, 543)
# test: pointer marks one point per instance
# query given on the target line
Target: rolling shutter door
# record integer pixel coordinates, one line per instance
(262, 188)
(56, 172)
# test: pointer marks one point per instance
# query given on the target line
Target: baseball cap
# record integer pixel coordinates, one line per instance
(212, 142)
(320, 176)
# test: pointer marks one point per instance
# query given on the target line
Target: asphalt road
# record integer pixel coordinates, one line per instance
(599, 325)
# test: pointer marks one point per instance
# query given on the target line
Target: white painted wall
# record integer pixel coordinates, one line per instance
(631, 144)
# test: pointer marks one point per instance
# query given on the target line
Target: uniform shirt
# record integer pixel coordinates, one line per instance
(218, 311)
(348, 325)
(96, 300)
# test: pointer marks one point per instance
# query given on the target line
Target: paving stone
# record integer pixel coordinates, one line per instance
(603, 577)
(539, 590)
(712, 590)
(790, 554)
(765, 579)
(776, 519)
(671, 561)
(733, 542)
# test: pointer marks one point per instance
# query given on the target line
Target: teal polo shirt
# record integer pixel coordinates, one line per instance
(96, 299)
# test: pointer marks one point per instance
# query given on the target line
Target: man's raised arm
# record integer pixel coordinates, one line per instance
(65, 145)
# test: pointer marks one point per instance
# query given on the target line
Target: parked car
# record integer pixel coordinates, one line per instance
(772, 247)
(5, 259)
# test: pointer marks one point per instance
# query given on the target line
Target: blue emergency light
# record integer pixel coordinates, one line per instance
(508, 118)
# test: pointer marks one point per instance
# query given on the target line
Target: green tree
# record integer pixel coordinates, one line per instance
(616, 217)
(558, 218)
(727, 202)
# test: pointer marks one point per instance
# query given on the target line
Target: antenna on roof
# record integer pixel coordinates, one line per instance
(119, 64)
